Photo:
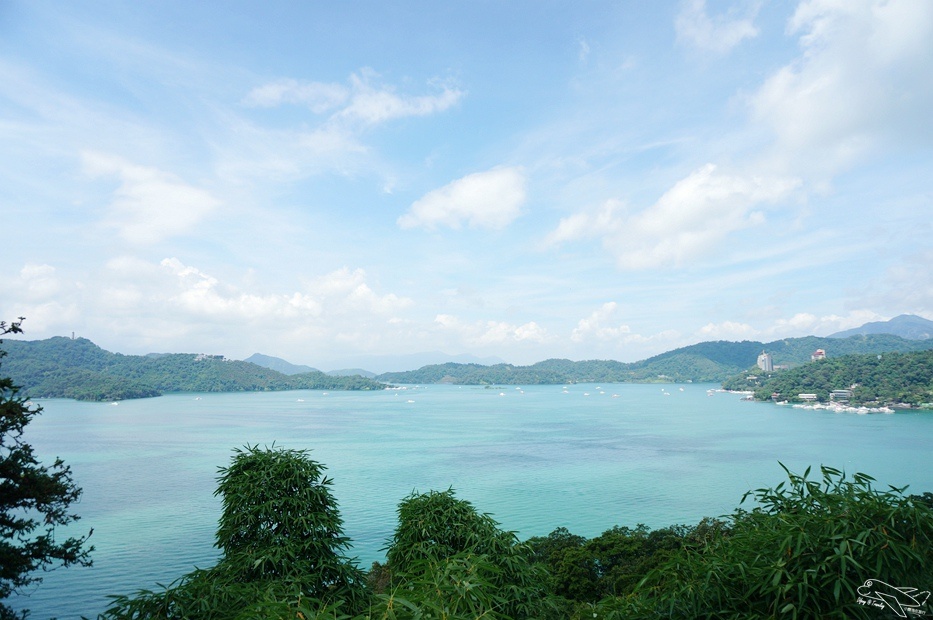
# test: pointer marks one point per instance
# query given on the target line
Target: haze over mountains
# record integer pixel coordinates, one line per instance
(906, 326)
(77, 368)
(370, 366)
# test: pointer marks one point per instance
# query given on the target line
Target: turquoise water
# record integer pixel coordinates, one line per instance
(536, 458)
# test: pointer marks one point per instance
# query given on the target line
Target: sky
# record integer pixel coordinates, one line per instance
(342, 183)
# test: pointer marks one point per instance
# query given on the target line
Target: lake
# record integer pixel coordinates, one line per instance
(584, 457)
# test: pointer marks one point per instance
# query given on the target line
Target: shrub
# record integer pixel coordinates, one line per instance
(450, 561)
(804, 551)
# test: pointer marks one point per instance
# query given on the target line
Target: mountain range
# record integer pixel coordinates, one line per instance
(909, 326)
(703, 362)
(77, 368)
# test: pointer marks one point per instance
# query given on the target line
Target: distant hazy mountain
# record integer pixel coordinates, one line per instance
(909, 326)
(351, 372)
(398, 363)
(370, 365)
(278, 364)
(703, 362)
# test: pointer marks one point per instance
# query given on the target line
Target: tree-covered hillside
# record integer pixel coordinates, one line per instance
(871, 379)
(703, 362)
(78, 368)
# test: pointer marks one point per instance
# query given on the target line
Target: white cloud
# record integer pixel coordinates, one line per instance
(349, 289)
(485, 333)
(150, 205)
(203, 296)
(317, 96)
(728, 330)
(491, 199)
(362, 99)
(39, 293)
(38, 281)
(335, 142)
(378, 104)
(596, 326)
(863, 80)
(797, 325)
(687, 223)
(341, 297)
(718, 34)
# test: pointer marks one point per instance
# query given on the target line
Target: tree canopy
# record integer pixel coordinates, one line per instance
(282, 548)
(35, 499)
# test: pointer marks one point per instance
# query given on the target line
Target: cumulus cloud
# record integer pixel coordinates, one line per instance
(596, 326)
(38, 292)
(351, 289)
(491, 199)
(718, 34)
(685, 224)
(150, 205)
(202, 295)
(484, 333)
(863, 79)
(38, 281)
(342, 296)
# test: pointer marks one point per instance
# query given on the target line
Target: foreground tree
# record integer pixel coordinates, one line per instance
(448, 561)
(282, 543)
(34, 499)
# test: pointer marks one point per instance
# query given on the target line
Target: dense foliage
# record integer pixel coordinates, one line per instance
(613, 563)
(282, 544)
(806, 549)
(890, 378)
(704, 362)
(35, 499)
(445, 555)
(65, 368)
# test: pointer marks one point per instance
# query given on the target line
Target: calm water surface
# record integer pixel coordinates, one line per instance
(585, 457)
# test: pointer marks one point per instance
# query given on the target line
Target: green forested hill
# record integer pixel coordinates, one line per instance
(703, 362)
(872, 379)
(65, 368)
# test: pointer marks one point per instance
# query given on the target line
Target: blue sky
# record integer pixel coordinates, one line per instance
(327, 182)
